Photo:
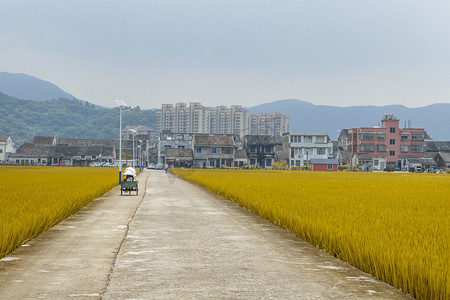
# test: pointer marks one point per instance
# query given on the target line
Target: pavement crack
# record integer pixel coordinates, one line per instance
(116, 254)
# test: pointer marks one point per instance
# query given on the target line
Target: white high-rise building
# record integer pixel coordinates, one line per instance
(196, 118)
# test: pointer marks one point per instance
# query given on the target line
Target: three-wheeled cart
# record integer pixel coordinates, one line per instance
(128, 187)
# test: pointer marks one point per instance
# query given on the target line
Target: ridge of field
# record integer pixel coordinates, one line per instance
(393, 226)
(36, 198)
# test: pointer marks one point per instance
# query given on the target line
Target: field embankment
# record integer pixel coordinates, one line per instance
(393, 226)
(33, 199)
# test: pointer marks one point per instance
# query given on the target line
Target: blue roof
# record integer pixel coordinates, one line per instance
(319, 161)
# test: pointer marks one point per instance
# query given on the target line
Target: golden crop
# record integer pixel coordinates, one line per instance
(33, 199)
(393, 226)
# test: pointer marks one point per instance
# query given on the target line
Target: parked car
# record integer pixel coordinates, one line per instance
(151, 166)
(159, 166)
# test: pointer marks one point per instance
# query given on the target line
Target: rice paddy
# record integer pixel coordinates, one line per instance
(33, 199)
(393, 226)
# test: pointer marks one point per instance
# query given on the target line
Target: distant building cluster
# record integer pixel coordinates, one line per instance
(195, 118)
(198, 137)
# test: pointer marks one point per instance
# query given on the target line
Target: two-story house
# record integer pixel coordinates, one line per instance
(6, 147)
(214, 151)
(172, 140)
(299, 148)
(261, 149)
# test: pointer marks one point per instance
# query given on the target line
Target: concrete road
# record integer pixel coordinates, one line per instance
(177, 241)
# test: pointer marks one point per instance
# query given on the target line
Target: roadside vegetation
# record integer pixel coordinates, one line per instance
(393, 226)
(33, 199)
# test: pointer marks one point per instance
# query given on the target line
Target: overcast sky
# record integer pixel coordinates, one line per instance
(224, 52)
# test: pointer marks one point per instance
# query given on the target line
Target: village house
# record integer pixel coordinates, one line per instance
(240, 158)
(6, 147)
(214, 151)
(300, 148)
(44, 140)
(261, 149)
(440, 152)
(30, 154)
(173, 141)
(388, 144)
(179, 157)
(46, 151)
(324, 164)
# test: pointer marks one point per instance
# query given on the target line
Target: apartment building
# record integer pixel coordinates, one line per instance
(388, 144)
(195, 118)
(300, 148)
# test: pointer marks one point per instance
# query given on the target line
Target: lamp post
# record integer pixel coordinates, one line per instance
(121, 106)
(140, 154)
(134, 133)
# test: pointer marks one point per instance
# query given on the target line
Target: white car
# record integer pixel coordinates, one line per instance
(151, 166)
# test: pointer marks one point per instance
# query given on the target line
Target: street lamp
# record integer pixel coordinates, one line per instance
(134, 133)
(140, 154)
(121, 106)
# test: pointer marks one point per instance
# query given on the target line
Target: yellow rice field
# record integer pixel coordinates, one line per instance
(393, 226)
(33, 199)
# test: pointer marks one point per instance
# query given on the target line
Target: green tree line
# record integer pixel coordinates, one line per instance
(25, 119)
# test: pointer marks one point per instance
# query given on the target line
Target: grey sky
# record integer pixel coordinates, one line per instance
(349, 52)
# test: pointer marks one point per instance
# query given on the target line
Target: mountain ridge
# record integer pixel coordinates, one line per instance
(23, 86)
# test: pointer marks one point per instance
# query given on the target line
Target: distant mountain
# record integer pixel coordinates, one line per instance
(307, 117)
(24, 119)
(27, 87)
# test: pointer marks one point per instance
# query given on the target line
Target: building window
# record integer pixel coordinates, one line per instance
(320, 151)
(376, 162)
(381, 136)
(392, 142)
(391, 153)
(366, 136)
(198, 150)
(416, 148)
(252, 161)
(320, 139)
(330, 167)
(404, 137)
(417, 137)
(1, 150)
(252, 149)
(392, 130)
(268, 149)
(213, 150)
(268, 162)
(403, 148)
(367, 147)
(308, 139)
(381, 147)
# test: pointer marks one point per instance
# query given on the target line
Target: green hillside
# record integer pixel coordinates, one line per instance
(24, 119)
